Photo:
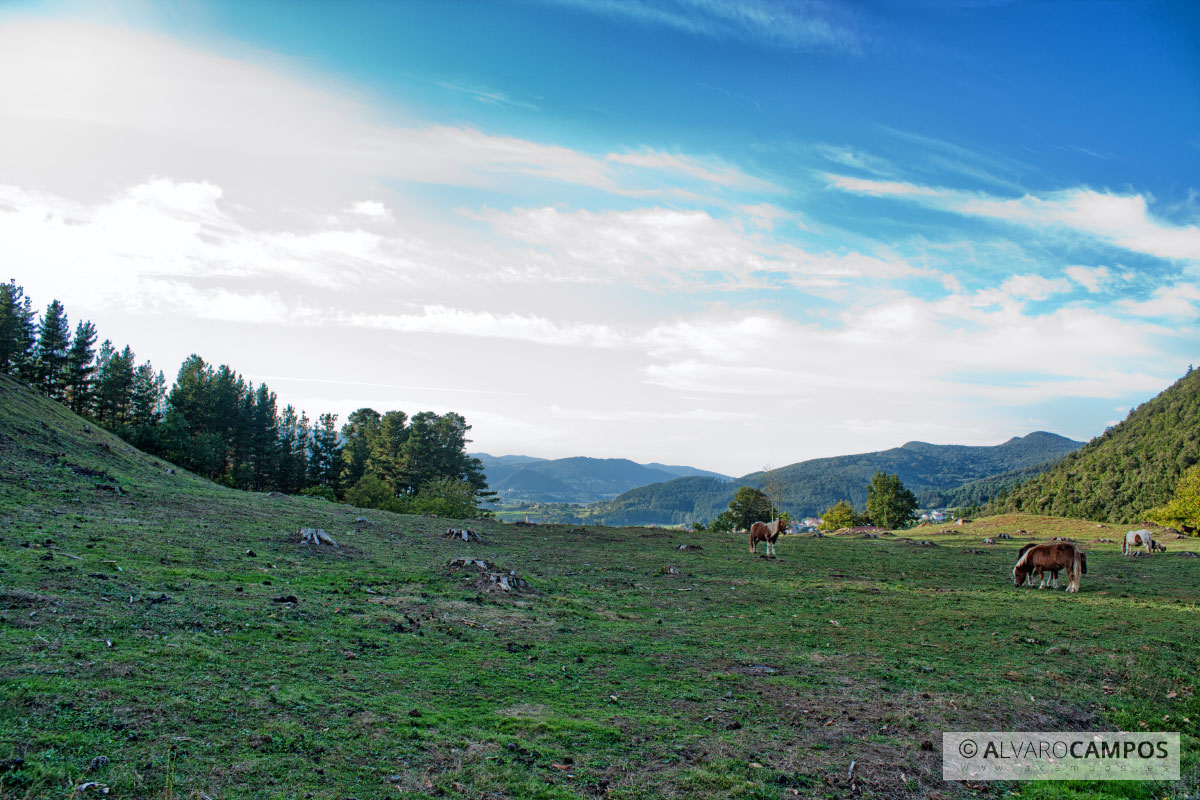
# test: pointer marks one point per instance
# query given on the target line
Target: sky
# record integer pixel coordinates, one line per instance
(732, 234)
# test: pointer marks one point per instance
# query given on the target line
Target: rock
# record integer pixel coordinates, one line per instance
(1057, 650)
(287, 598)
(97, 763)
(170, 471)
(989, 540)
(670, 570)
(277, 494)
(1004, 536)
(689, 547)
(1186, 554)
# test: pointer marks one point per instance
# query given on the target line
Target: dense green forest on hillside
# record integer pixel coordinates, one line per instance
(217, 424)
(1131, 468)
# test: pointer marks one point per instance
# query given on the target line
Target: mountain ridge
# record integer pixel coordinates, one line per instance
(811, 486)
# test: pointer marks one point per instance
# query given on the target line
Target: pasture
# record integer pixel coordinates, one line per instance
(144, 627)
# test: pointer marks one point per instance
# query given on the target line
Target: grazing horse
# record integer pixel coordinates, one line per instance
(1051, 558)
(766, 532)
(1029, 580)
(1142, 538)
(1038, 572)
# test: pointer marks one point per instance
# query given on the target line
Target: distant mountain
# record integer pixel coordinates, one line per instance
(809, 487)
(687, 472)
(573, 480)
(1130, 468)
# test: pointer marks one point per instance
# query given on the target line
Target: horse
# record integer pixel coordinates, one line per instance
(1142, 538)
(1051, 558)
(766, 532)
(1038, 572)
(1025, 549)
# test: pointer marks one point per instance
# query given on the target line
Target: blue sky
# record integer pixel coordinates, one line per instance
(729, 234)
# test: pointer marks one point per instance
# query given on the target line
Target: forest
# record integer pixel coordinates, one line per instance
(1127, 471)
(217, 424)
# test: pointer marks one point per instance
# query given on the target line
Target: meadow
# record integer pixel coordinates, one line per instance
(175, 639)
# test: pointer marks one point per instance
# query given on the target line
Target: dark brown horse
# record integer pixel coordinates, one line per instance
(1052, 557)
(766, 532)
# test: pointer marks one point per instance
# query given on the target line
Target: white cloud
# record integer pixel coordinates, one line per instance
(83, 106)
(666, 247)
(457, 322)
(370, 208)
(1180, 302)
(1120, 220)
(1091, 278)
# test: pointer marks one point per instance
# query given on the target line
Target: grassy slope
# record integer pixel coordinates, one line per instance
(841, 650)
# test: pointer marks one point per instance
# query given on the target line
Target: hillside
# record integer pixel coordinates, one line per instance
(1131, 467)
(180, 631)
(573, 480)
(809, 487)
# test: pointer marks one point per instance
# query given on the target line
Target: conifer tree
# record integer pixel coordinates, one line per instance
(325, 454)
(54, 345)
(81, 368)
(114, 387)
(18, 332)
(358, 437)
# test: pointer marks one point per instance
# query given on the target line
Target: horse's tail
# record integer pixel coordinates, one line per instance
(1083, 563)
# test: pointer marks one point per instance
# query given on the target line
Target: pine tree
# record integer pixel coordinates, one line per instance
(264, 433)
(358, 437)
(81, 368)
(147, 394)
(292, 458)
(18, 333)
(53, 349)
(387, 458)
(325, 454)
(114, 387)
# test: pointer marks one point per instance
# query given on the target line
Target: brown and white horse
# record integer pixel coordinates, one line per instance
(1142, 538)
(767, 532)
(1051, 557)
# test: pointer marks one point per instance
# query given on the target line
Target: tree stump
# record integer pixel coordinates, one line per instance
(316, 536)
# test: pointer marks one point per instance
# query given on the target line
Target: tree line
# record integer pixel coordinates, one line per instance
(889, 505)
(217, 424)
(1125, 472)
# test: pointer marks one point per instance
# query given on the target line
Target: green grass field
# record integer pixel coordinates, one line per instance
(143, 627)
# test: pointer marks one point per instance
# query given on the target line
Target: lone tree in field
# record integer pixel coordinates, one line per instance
(750, 505)
(839, 515)
(889, 504)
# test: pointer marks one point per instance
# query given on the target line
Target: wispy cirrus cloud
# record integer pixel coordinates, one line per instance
(447, 321)
(1120, 220)
(271, 137)
(806, 25)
